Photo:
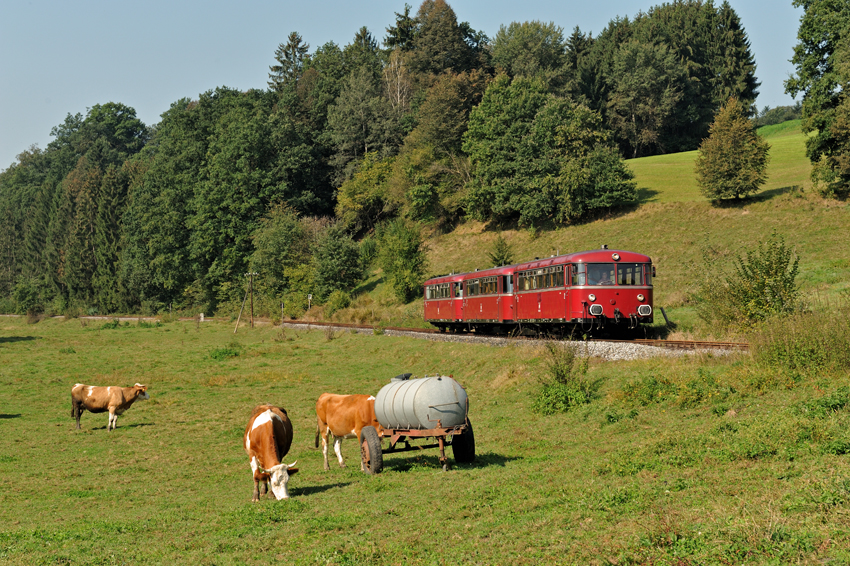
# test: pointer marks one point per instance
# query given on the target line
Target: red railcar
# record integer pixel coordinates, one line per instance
(589, 290)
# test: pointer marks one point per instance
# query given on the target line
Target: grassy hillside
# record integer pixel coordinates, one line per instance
(670, 178)
(691, 461)
(672, 221)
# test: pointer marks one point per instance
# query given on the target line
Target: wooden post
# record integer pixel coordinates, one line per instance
(251, 287)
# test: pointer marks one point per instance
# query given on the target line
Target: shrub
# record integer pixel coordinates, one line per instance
(337, 300)
(402, 257)
(761, 285)
(566, 385)
(27, 296)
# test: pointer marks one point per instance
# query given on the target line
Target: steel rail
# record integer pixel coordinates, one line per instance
(670, 344)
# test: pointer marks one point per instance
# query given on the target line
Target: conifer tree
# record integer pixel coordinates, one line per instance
(290, 58)
(733, 160)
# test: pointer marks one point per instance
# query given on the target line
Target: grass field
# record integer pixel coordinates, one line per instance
(692, 461)
(671, 178)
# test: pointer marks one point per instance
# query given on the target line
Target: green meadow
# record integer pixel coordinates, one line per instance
(707, 460)
(700, 459)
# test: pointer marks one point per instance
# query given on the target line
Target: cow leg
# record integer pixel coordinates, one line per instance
(113, 421)
(256, 494)
(338, 450)
(264, 489)
(325, 448)
(76, 412)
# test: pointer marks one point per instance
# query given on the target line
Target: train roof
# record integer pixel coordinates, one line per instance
(601, 255)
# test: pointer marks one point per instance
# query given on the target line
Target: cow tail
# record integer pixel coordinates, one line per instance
(317, 433)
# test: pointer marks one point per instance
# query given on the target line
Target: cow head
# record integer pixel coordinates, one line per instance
(280, 475)
(143, 391)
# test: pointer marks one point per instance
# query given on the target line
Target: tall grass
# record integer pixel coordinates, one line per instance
(810, 342)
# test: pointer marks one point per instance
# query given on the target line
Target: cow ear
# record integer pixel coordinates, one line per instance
(292, 471)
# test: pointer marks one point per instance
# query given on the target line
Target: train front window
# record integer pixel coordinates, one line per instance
(629, 274)
(600, 274)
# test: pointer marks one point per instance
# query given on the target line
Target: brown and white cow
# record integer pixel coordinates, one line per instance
(267, 439)
(344, 416)
(99, 399)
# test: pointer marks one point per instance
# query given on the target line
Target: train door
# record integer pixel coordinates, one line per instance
(458, 300)
(506, 298)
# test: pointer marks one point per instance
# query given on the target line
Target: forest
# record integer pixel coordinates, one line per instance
(353, 153)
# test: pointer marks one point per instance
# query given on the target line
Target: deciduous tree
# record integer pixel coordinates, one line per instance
(732, 161)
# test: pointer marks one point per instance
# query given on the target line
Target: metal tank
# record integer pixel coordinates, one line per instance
(423, 403)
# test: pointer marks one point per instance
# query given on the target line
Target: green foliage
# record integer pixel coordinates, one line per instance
(232, 350)
(733, 160)
(566, 386)
(538, 157)
(760, 285)
(360, 121)
(771, 116)
(27, 296)
(290, 62)
(113, 325)
(648, 88)
(362, 200)
(822, 60)
(337, 263)
(281, 243)
(368, 251)
(401, 254)
(440, 44)
(531, 49)
(809, 342)
(337, 300)
(501, 253)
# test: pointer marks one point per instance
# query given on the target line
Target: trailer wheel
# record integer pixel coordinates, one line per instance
(463, 445)
(370, 451)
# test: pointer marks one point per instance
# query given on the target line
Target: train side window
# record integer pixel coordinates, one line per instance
(579, 274)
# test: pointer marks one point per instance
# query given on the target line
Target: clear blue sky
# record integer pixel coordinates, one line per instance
(60, 57)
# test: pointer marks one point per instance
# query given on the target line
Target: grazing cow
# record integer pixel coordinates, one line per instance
(344, 416)
(268, 437)
(98, 399)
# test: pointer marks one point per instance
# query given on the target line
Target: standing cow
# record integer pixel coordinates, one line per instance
(268, 437)
(344, 416)
(99, 399)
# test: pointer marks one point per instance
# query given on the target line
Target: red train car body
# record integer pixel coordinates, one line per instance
(589, 290)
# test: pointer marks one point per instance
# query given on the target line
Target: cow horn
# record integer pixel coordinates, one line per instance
(292, 464)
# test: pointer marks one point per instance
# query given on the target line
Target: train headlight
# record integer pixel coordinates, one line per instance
(591, 297)
(641, 297)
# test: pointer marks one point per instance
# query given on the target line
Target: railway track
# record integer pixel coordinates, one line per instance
(670, 344)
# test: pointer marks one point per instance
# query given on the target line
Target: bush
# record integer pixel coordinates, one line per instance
(566, 385)
(337, 300)
(402, 257)
(27, 296)
(761, 285)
